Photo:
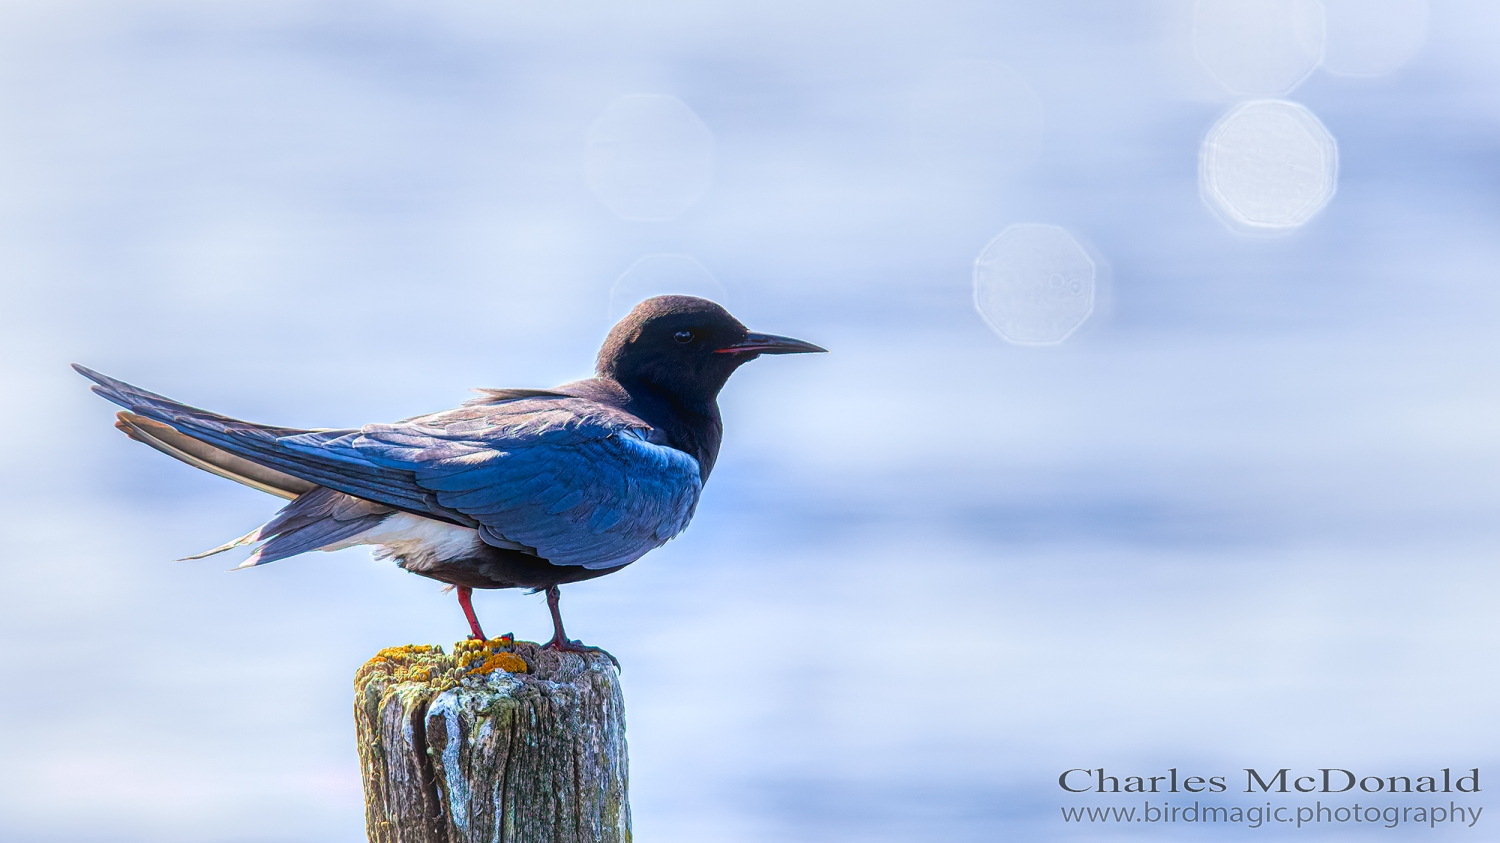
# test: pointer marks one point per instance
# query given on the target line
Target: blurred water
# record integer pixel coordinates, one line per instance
(977, 119)
(1246, 516)
(1373, 37)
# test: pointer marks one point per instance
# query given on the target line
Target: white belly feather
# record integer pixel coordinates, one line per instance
(418, 541)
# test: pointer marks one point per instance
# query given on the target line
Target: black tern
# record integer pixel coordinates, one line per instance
(519, 488)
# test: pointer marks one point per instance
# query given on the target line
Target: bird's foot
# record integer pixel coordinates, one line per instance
(569, 645)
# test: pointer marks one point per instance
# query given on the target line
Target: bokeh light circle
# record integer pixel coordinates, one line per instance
(1034, 284)
(649, 157)
(663, 275)
(1268, 165)
(1259, 47)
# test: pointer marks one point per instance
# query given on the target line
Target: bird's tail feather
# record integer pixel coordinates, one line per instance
(249, 538)
(317, 520)
(133, 397)
(154, 420)
(289, 453)
(202, 455)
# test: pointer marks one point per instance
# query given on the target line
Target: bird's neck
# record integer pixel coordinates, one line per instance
(693, 427)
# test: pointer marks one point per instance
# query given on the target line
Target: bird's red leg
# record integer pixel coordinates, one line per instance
(464, 593)
(560, 639)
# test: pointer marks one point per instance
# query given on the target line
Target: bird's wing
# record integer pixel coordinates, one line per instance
(571, 479)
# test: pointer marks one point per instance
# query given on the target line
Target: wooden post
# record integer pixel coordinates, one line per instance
(500, 741)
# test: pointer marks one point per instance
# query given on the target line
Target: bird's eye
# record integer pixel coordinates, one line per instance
(683, 336)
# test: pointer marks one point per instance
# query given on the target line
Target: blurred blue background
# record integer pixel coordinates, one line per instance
(1246, 515)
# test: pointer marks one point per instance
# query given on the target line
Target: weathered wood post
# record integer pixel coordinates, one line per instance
(500, 741)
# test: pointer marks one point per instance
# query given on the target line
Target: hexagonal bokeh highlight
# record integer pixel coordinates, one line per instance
(1373, 37)
(1268, 165)
(662, 275)
(1258, 47)
(649, 157)
(1034, 284)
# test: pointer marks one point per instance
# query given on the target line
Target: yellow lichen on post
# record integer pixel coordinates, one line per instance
(481, 657)
(505, 662)
(500, 740)
(407, 663)
(428, 664)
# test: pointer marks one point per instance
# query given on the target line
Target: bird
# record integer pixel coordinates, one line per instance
(517, 488)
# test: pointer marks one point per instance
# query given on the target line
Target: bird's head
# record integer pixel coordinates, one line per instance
(684, 346)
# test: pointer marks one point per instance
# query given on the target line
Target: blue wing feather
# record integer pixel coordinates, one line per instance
(574, 479)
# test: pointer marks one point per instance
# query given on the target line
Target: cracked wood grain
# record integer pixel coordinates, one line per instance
(502, 742)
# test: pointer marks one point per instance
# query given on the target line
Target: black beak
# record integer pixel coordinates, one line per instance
(769, 344)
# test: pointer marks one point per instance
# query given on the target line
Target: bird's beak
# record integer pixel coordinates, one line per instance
(769, 344)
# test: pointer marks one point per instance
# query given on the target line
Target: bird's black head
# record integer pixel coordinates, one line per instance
(684, 348)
